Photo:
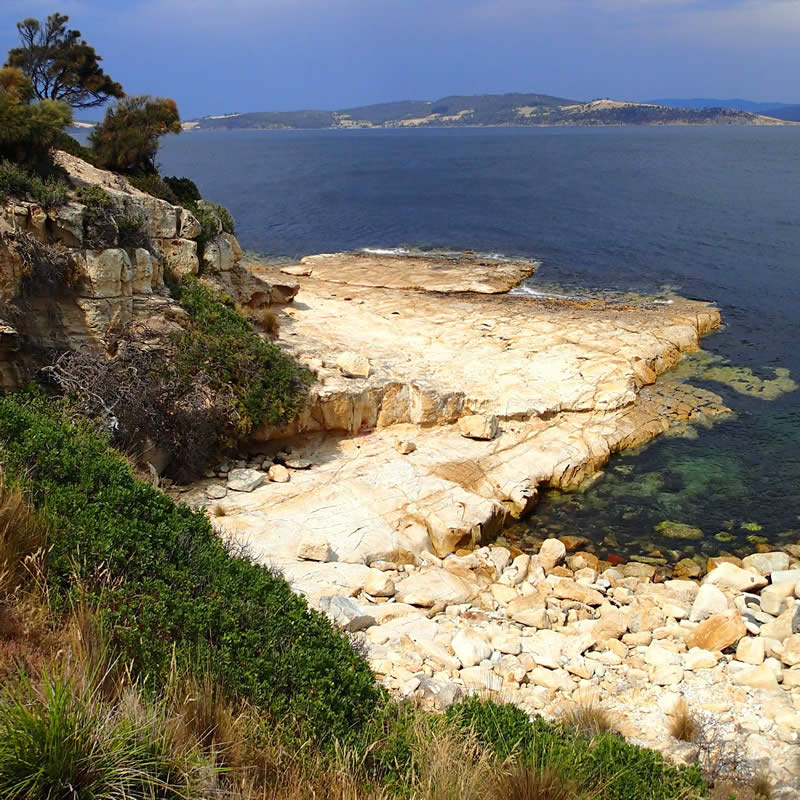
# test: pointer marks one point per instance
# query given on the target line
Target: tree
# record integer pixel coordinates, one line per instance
(28, 131)
(128, 138)
(61, 65)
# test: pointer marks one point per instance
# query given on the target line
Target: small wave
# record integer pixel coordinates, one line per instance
(528, 292)
(386, 251)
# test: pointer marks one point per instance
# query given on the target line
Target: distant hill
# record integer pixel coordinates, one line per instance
(790, 113)
(715, 102)
(484, 110)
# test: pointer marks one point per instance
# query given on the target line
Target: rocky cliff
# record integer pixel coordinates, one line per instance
(59, 291)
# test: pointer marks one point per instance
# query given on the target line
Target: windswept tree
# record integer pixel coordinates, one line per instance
(28, 130)
(128, 138)
(61, 65)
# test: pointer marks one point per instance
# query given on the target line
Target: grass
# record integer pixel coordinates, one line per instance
(589, 719)
(17, 181)
(525, 783)
(270, 322)
(683, 726)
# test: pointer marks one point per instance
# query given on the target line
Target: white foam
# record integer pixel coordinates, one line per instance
(528, 292)
(387, 251)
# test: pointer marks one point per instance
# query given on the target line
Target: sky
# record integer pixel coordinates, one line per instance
(225, 56)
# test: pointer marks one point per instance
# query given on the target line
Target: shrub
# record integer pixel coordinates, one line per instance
(94, 197)
(184, 190)
(170, 593)
(683, 725)
(48, 270)
(17, 181)
(60, 740)
(128, 138)
(152, 184)
(604, 764)
(132, 231)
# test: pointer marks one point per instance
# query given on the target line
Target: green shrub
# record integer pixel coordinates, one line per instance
(605, 763)
(185, 190)
(60, 740)
(209, 229)
(169, 591)
(17, 181)
(132, 231)
(99, 226)
(226, 218)
(94, 197)
(69, 144)
(269, 386)
(152, 184)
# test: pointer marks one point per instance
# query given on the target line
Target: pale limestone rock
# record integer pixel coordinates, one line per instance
(773, 599)
(509, 668)
(508, 643)
(378, 584)
(666, 675)
(766, 563)
(546, 647)
(435, 652)
(188, 226)
(405, 447)
(791, 650)
(709, 601)
(278, 474)
(144, 272)
(786, 575)
(760, 677)
(717, 632)
(245, 480)
(514, 574)
(528, 611)
(315, 547)
(781, 628)
(478, 426)
(293, 462)
(612, 624)
(68, 223)
(551, 679)
(503, 594)
(432, 586)
(298, 270)
(729, 576)
(346, 613)
(179, 256)
(552, 553)
(353, 365)
(470, 648)
(216, 492)
(569, 590)
(481, 679)
(697, 658)
(750, 650)
(218, 255)
(791, 677)
(500, 557)
(109, 273)
(657, 656)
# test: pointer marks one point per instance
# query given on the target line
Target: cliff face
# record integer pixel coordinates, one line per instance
(107, 287)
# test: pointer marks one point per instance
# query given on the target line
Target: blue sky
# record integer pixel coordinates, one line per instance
(218, 56)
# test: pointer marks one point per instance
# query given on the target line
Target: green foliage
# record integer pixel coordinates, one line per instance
(132, 231)
(268, 386)
(94, 197)
(168, 590)
(225, 217)
(605, 763)
(60, 740)
(184, 190)
(151, 183)
(60, 65)
(16, 181)
(128, 138)
(28, 131)
(69, 144)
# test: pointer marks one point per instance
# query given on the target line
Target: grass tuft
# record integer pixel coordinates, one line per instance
(683, 726)
(527, 783)
(589, 719)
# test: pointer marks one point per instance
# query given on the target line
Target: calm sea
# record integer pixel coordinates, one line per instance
(712, 213)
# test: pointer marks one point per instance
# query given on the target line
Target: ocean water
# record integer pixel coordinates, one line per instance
(710, 213)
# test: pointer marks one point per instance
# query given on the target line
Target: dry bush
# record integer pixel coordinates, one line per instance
(526, 783)
(589, 719)
(270, 321)
(759, 788)
(218, 510)
(683, 726)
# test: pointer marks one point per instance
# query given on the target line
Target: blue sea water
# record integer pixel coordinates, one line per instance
(712, 213)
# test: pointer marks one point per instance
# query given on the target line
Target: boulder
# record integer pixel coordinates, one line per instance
(528, 611)
(433, 586)
(717, 632)
(188, 226)
(379, 584)
(781, 628)
(791, 650)
(750, 650)
(404, 447)
(729, 576)
(678, 530)
(766, 563)
(179, 256)
(478, 426)
(760, 677)
(245, 480)
(697, 658)
(785, 576)
(314, 547)
(709, 601)
(508, 643)
(278, 474)
(569, 590)
(546, 647)
(216, 492)
(774, 598)
(481, 679)
(353, 365)
(346, 613)
(552, 553)
(687, 568)
(558, 679)
(470, 648)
